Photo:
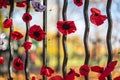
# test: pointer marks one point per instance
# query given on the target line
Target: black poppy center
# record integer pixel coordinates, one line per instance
(66, 26)
(96, 14)
(37, 34)
(17, 64)
(26, 17)
(78, 1)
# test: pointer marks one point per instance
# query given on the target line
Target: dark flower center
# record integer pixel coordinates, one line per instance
(66, 26)
(96, 14)
(84, 69)
(17, 64)
(78, 1)
(37, 34)
(26, 17)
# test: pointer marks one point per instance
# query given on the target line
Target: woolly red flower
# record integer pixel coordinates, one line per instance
(71, 75)
(27, 45)
(108, 69)
(46, 71)
(1, 60)
(97, 69)
(21, 4)
(16, 35)
(57, 77)
(66, 27)
(36, 33)
(18, 64)
(26, 17)
(7, 23)
(96, 17)
(78, 2)
(117, 78)
(84, 70)
(3, 4)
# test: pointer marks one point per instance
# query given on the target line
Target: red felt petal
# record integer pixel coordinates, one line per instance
(1, 60)
(16, 35)
(95, 10)
(57, 77)
(7, 23)
(21, 4)
(97, 69)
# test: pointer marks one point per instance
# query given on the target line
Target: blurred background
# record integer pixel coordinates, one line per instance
(75, 46)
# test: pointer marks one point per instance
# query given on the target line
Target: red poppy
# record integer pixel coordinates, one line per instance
(1, 60)
(84, 70)
(97, 69)
(96, 17)
(46, 71)
(7, 23)
(33, 78)
(3, 4)
(66, 27)
(26, 17)
(108, 69)
(57, 77)
(27, 45)
(117, 78)
(78, 2)
(71, 75)
(16, 35)
(21, 4)
(36, 33)
(18, 64)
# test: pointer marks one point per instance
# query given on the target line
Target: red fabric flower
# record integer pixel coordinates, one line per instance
(78, 2)
(117, 78)
(26, 17)
(96, 17)
(33, 78)
(21, 4)
(57, 77)
(18, 64)
(27, 45)
(36, 33)
(46, 71)
(71, 75)
(3, 4)
(97, 69)
(1, 60)
(108, 69)
(7, 23)
(84, 70)
(66, 27)
(16, 35)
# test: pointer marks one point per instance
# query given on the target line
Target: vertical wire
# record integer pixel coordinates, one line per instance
(9, 42)
(86, 34)
(109, 32)
(45, 39)
(26, 39)
(64, 15)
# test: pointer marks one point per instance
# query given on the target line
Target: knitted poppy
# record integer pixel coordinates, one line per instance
(57, 77)
(46, 71)
(7, 23)
(36, 33)
(71, 75)
(66, 27)
(96, 17)
(1, 60)
(3, 4)
(97, 69)
(27, 45)
(78, 2)
(21, 4)
(117, 78)
(26, 17)
(84, 70)
(18, 64)
(16, 35)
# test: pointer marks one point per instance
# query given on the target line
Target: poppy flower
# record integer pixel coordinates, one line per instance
(117, 78)
(16, 35)
(78, 2)
(57, 77)
(97, 69)
(36, 33)
(3, 4)
(26, 17)
(21, 4)
(108, 69)
(84, 70)
(96, 17)
(7, 23)
(66, 27)
(27, 45)
(18, 64)
(46, 71)
(71, 75)
(1, 60)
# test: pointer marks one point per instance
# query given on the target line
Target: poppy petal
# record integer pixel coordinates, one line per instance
(97, 69)
(57, 77)
(1, 60)
(7, 23)
(84, 70)
(27, 45)
(16, 35)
